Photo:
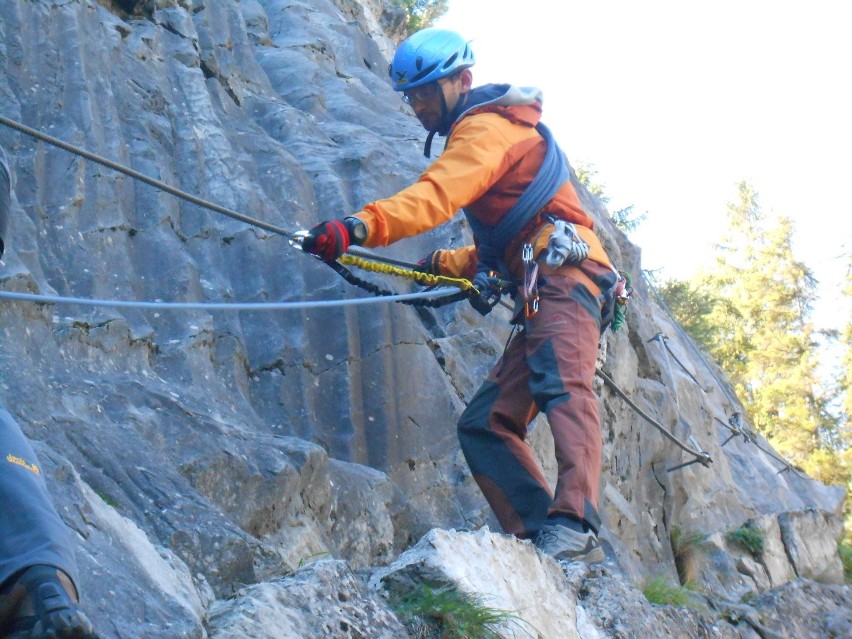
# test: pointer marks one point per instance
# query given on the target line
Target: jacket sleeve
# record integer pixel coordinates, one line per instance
(460, 262)
(473, 161)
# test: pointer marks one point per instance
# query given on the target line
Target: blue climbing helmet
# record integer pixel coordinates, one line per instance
(428, 55)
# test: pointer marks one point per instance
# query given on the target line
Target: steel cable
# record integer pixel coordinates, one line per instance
(688, 339)
(700, 456)
(225, 306)
(136, 175)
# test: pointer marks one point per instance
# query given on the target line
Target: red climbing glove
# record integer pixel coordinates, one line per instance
(431, 264)
(327, 240)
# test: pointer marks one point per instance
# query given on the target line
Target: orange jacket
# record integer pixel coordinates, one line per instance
(492, 154)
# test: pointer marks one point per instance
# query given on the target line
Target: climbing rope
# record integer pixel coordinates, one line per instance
(648, 277)
(733, 425)
(664, 340)
(408, 270)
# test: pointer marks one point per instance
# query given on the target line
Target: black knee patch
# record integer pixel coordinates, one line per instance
(475, 416)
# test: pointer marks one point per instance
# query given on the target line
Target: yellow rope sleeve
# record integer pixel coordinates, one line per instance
(424, 279)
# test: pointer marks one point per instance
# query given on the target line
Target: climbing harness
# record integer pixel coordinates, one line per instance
(493, 240)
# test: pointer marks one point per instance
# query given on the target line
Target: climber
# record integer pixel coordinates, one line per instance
(38, 592)
(503, 168)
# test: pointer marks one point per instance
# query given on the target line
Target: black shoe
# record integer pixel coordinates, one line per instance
(54, 614)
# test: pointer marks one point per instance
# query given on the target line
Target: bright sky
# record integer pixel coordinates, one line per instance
(675, 102)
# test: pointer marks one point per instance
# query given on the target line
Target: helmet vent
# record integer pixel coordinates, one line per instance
(419, 63)
(450, 61)
(425, 72)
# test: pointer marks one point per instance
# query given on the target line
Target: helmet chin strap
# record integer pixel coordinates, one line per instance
(446, 122)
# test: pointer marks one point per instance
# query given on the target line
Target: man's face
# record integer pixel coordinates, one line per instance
(426, 100)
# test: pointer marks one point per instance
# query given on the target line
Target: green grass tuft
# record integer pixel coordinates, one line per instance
(686, 548)
(748, 536)
(304, 561)
(844, 548)
(659, 591)
(453, 614)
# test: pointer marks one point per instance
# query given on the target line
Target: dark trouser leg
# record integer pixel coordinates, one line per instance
(562, 342)
(492, 432)
(31, 531)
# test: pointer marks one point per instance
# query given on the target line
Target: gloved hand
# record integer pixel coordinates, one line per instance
(328, 240)
(430, 264)
(489, 292)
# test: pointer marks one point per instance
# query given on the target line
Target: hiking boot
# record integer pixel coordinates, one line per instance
(43, 608)
(563, 543)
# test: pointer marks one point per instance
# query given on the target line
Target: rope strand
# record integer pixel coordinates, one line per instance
(225, 306)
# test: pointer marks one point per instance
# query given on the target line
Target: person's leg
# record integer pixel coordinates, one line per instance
(38, 572)
(492, 432)
(562, 342)
(32, 533)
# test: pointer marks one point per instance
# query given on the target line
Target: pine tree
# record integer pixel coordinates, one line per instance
(844, 436)
(758, 329)
(422, 13)
(693, 306)
(846, 344)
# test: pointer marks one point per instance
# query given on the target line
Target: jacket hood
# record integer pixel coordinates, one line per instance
(493, 96)
(517, 104)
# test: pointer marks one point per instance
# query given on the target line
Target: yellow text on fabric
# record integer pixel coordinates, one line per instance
(12, 459)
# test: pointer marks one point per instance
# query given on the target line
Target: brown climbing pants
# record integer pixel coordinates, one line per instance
(548, 367)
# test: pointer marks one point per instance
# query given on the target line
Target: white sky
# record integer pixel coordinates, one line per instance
(674, 102)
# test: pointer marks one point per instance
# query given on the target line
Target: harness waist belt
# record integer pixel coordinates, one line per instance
(572, 272)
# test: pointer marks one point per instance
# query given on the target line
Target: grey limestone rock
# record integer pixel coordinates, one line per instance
(202, 456)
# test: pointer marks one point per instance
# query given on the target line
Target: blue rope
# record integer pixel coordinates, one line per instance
(493, 240)
(221, 306)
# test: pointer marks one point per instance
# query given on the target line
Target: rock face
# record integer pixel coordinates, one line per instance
(205, 457)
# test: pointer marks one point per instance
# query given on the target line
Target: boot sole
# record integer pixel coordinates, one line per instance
(594, 556)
